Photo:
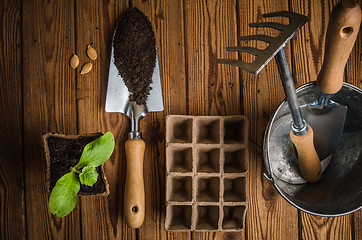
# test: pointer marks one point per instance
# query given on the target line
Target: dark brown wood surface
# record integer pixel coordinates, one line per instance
(12, 207)
(39, 92)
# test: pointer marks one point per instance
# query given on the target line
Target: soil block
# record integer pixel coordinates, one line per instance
(63, 152)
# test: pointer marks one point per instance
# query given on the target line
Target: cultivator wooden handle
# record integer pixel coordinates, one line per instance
(309, 162)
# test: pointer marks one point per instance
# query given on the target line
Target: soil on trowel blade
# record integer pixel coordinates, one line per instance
(65, 153)
(134, 46)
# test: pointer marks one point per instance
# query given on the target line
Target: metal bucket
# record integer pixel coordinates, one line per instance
(339, 192)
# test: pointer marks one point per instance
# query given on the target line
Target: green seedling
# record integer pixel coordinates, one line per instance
(63, 197)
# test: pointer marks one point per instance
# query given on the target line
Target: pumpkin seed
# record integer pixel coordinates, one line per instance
(91, 52)
(86, 68)
(74, 61)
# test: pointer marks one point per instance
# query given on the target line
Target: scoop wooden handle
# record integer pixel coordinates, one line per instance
(134, 196)
(307, 156)
(342, 31)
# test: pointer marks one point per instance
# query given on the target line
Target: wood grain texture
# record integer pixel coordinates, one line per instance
(308, 52)
(40, 92)
(166, 20)
(102, 218)
(314, 227)
(269, 215)
(357, 225)
(308, 44)
(49, 105)
(211, 26)
(12, 209)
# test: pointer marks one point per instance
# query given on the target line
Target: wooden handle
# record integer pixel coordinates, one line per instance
(307, 156)
(342, 31)
(134, 194)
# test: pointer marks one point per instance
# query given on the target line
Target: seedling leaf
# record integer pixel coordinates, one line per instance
(97, 152)
(88, 176)
(63, 197)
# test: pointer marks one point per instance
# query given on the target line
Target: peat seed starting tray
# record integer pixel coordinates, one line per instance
(206, 173)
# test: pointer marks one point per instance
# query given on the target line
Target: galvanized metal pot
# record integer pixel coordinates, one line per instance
(339, 191)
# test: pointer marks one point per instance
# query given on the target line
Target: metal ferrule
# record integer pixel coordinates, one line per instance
(300, 131)
(135, 112)
(324, 100)
(135, 135)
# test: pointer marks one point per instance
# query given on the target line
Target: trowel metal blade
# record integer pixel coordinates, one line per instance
(118, 95)
(327, 125)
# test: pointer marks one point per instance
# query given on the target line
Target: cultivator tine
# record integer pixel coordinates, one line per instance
(274, 25)
(287, 31)
(260, 37)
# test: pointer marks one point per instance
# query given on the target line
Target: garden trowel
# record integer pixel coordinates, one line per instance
(325, 116)
(118, 100)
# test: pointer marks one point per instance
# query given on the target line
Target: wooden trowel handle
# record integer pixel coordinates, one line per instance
(343, 27)
(134, 194)
(307, 156)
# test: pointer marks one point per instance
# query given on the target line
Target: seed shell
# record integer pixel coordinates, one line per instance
(74, 61)
(86, 68)
(91, 52)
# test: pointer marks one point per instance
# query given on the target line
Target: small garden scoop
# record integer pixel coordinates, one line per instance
(325, 116)
(118, 100)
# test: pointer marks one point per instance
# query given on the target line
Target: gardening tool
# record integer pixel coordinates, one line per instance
(327, 119)
(325, 116)
(118, 101)
(339, 191)
(301, 134)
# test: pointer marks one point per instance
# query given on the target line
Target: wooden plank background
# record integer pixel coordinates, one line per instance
(12, 207)
(39, 92)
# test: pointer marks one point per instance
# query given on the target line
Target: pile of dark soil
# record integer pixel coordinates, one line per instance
(135, 53)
